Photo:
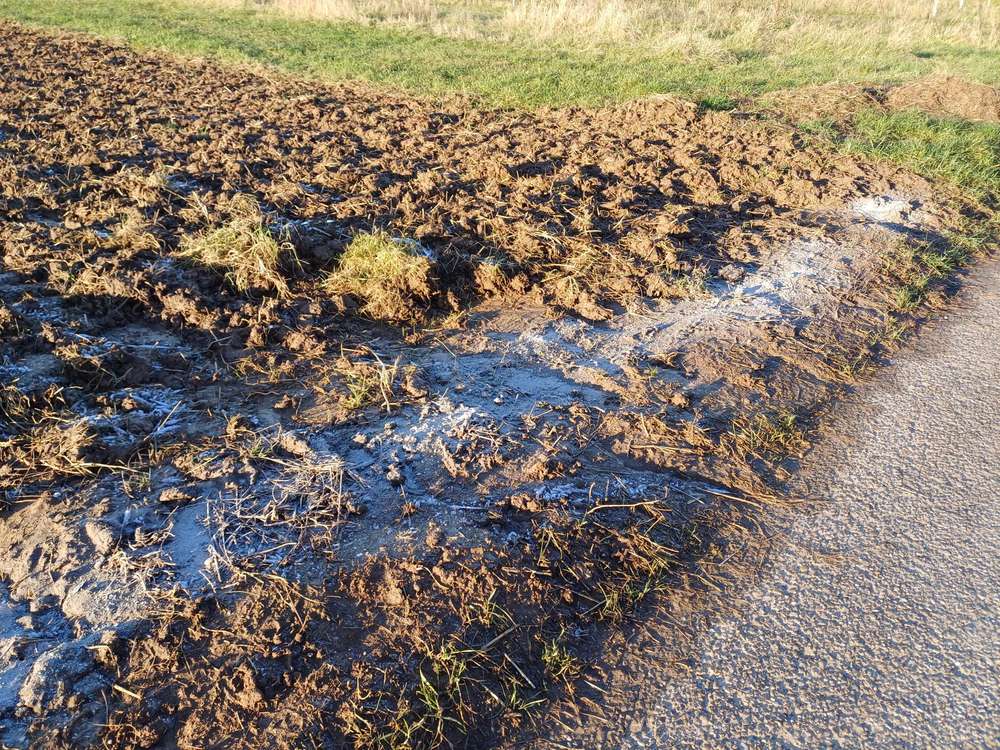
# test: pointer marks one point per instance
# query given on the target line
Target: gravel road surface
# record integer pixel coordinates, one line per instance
(877, 624)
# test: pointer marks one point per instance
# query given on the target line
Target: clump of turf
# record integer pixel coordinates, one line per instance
(393, 278)
(763, 436)
(244, 249)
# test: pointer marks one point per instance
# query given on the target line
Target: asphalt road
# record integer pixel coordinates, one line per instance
(877, 624)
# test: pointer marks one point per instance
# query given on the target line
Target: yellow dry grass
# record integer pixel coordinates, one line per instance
(244, 249)
(716, 28)
(392, 277)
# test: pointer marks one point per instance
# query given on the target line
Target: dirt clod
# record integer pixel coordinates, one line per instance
(102, 536)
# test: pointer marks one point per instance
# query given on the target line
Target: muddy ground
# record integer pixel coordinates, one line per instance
(242, 508)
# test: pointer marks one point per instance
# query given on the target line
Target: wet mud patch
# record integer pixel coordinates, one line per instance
(333, 417)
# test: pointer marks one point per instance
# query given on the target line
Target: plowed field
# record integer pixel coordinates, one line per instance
(334, 417)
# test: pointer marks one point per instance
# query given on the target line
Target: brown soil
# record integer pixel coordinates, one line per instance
(242, 514)
(942, 96)
(947, 96)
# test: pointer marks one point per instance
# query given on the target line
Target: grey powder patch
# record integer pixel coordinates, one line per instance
(189, 549)
(795, 284)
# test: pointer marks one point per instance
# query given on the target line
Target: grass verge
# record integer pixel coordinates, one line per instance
(506, 73)
(965, 153)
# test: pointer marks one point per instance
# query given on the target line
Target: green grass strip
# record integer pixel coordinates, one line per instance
(495, 73)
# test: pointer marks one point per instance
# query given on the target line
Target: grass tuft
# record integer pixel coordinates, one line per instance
(393, 277)
(559, 663)
(918, 267)
(768, 437)
(244, 249)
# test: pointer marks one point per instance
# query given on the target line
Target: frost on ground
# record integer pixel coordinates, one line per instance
(88, 583)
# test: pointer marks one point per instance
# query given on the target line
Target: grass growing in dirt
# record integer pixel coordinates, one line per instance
(732, 61)
(389, 275)
(918, 267)
(763, 436)
(922, 268)
(966, 153)
(559, 663)
(244, 250)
